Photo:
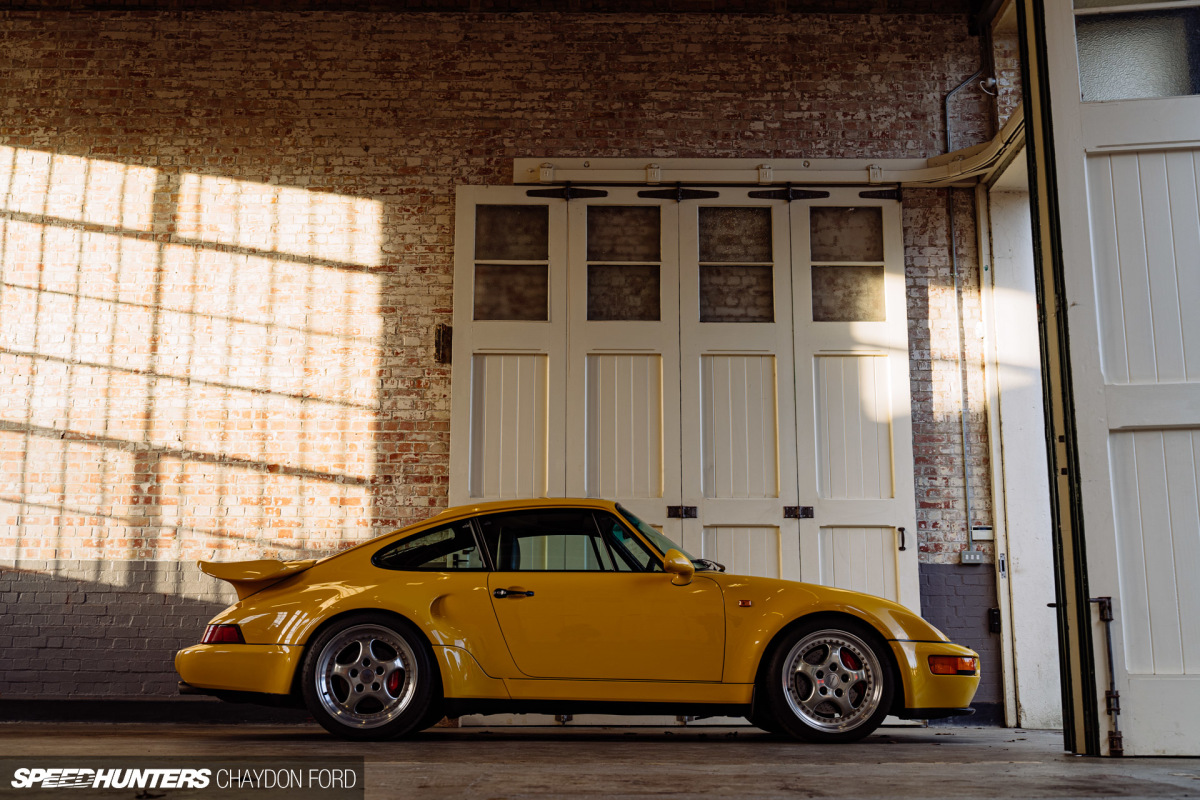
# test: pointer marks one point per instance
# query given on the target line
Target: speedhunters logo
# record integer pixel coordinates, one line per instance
(76, 778)
(99, 777)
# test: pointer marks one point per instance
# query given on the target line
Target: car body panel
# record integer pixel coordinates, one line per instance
(585, 625)
(648, 692)
(450, 608)
(462, 677)
(776, 604)
(643, 640)
(248, 577)
(260, 669)
(923, 689)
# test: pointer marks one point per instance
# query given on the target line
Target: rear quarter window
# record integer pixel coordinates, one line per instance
(449, 548)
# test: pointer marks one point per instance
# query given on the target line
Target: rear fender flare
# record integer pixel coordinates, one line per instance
(333, 620)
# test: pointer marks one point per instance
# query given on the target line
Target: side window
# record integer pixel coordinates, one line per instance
(551, 540)
(442, 550)
(628, 550)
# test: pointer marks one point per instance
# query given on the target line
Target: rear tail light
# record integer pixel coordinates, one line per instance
(953, 665)
(223, 634)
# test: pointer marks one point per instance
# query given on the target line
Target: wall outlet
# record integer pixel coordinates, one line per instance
(972, 557)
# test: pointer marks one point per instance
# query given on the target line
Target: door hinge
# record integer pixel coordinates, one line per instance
(797, 512)
(681, 512)
(881, 194)
(678, 194)
(995, 624)
(1112, 702)
(567, 192)
(1116, 744)
(789, 194)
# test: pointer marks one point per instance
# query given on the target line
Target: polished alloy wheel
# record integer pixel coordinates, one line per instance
(833, 681)
(366, 676)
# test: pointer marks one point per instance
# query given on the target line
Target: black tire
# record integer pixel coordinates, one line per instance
(828, 681)
(369, 676)
(765, 721)
(432, 717)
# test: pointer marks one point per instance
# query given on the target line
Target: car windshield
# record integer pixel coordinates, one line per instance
(650, 532)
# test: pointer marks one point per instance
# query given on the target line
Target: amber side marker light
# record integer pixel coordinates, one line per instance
(222, 634)
(952, 665)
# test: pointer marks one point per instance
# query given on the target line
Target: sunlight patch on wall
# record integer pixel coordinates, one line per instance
(77, 189)
(207, 392)
(281, 219)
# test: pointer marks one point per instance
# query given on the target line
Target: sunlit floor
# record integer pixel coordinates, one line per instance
(513, 763)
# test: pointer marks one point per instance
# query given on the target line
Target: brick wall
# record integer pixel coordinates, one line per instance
(933, 340)
(226, 240)
(1006, 56)
(100, 628)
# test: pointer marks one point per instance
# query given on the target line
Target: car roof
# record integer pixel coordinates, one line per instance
(493, 506)
(474, 509)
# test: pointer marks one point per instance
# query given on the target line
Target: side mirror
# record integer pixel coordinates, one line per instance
(680, 567)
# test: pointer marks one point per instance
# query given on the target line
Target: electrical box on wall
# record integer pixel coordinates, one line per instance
(972, 556)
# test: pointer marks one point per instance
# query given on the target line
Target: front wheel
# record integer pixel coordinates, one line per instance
(829, 681)
(369, 677)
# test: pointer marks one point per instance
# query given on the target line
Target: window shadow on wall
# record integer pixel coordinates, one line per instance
(195, 360)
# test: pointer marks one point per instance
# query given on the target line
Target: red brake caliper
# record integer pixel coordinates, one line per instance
(393, 682)
(850, 660)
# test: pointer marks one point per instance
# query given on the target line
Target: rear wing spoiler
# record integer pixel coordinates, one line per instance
(248, 577)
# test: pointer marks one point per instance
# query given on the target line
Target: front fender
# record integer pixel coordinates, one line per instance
(777, 604)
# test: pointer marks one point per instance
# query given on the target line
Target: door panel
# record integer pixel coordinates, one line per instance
(622, 393)
(853, 409)
(854, 431)
(738, 424)
(612, 626)
(765, 551)
(624, 412)
(1158, 541)
(509, 361)
(509, 425)
(1145, 334)
(858, 559)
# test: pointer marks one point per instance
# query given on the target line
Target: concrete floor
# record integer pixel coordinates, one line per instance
(512, 763)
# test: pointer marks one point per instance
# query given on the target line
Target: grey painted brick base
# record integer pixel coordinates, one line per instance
(100, 628)
(955, 598)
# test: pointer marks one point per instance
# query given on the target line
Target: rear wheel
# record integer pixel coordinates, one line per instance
(369, 676)
(829, 681)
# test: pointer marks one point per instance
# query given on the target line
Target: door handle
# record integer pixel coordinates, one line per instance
(500, 594)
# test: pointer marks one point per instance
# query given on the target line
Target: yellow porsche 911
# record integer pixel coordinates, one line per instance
(564, 607)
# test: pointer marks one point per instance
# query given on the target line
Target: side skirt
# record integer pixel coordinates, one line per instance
(463, 706)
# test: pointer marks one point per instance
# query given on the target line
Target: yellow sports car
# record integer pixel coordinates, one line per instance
(564, 607)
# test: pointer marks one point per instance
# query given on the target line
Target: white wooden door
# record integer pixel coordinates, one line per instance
(853, 411)
(1126, 147)
(508, 431)
(622, 410)
(712, 355)
(738, 441)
